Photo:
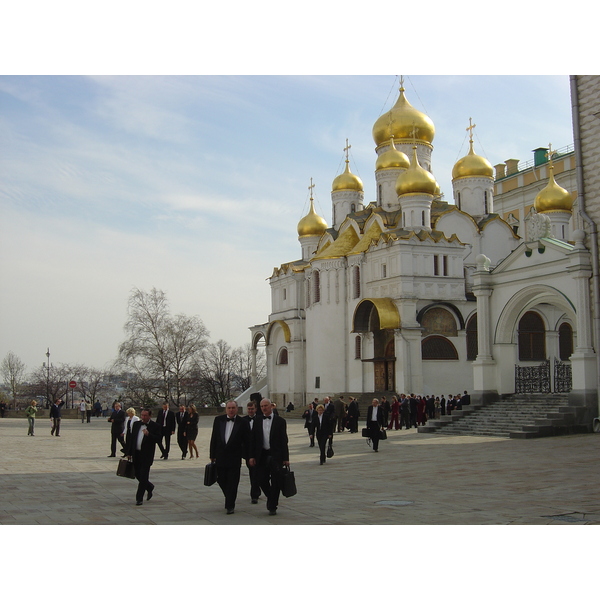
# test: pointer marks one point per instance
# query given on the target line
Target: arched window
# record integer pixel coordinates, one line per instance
(353, 208)
(282, 359)
(317, 287)
(485, 202)
(356, 282)
(565, 341)
(532, 337)
(358, 347)
(458, 199)
(437, 347)
(472, 347)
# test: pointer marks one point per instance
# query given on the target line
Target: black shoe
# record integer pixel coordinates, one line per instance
(254, 500)
(139, 503)
(57, 435)
(230, 511)
(322, 462)
(273, 512)
(111, 456)
(149, 495)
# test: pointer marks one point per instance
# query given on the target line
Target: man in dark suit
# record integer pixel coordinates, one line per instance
(323, 428)
(165, 419)
(251, 418)
(353, 415)
(374, 422)
(117, 421)
(270, 453)
(141, 447)
(55, 417)
(466, 399)
(182, 419)
(229, 443)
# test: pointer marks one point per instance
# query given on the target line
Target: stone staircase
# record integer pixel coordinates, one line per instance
(517, 416)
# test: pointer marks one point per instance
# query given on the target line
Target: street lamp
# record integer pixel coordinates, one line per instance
(47, 365)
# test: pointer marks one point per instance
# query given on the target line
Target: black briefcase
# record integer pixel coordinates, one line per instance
(288, 483)
(125, 468)
(365, 432)
(210, 473)
(382, 434)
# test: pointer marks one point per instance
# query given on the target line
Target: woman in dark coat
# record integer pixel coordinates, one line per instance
(308, 415)
(191, 430)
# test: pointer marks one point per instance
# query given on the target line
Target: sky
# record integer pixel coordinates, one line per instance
(165, 158)
(195, 185)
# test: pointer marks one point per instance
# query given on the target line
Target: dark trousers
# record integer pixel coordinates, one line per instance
(228, 479)
(353, 424)
(254, 483)
(374, 433)
(55, 426)
(113, 442)
(405, 419)
(167, 437)
(269, 478)
(142, 474)
(322, 447)
(182, 442)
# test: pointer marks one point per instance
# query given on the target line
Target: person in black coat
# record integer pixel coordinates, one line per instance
(353, 415)
(308, 415)
(270, 453)
(251, 418)
(55, 417)
(374, 422)
(141, 447)
(166, 421)
(117, 421)
(323, 428)
(229, 443)
(182, 419)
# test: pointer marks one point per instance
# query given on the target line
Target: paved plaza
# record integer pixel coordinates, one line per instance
(414, 479)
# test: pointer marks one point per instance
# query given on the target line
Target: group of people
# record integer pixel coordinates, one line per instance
(259, 438)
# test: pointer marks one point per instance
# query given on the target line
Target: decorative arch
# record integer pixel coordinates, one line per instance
(439, 320)
(565, 341)
(449, 306)
(532, 337)
(472, 342)
(287, 336)
(256, 339)
(524, 300)
(282, 356)
(374, 314)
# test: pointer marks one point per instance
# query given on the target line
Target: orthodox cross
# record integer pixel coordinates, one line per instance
(401, 83)
(310, 187)
(549, 153)
(470, 129)
(348, 146)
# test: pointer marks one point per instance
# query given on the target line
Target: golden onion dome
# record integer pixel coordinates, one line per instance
(416, 179)
(553, 198)
(312, 224)
(472, 165)
(347, 181)
(404, 122)
(392, 158)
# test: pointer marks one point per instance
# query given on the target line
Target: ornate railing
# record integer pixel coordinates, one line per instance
(563, 381)
(533, 380)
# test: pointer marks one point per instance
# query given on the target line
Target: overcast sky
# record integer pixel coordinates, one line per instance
(195, 184)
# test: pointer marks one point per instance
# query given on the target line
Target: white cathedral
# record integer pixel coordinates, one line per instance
(408, 293)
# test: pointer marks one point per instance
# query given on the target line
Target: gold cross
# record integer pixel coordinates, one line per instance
(401, 82)
(549, 153)
(470, 129)
(310, 187)
(348, 146)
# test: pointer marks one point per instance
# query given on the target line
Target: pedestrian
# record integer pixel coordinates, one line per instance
(308, 423)
(30, 413)
(97, 409)
(394, 413)
(323, 428)
(104, 408)
(82, 410)
(374, 423)
(88, 411)
(117, 420)
(191, 430)
(166, 421)
(128, 424)
(2, 408)
(339, 408)
(385, 409)
(55, 416)
(404, 411)
(182, 419)
(353, 414)
(270, 452)
(466, 399)
(251, 418)
(229, 443)
(142, 445)
(438, 407)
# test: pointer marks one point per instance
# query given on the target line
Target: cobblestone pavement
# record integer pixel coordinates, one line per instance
(414, 479)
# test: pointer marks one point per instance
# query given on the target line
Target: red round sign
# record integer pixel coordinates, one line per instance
(72, 384)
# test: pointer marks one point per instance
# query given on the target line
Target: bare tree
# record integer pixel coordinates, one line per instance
(215, 372)
(52, 381)
(90, 383)
(243, 366)
(13, 374)
(159, 349)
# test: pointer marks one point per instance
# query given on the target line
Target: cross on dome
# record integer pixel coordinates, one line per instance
(311, 187)
(470, 129)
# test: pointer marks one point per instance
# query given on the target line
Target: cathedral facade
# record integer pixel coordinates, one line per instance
(407, 293)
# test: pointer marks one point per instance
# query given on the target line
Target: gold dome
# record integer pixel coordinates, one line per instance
(347, 181)
(553, 198)
(472, 165)
(312, 224)
(392, 158)
(416, 179)
(404, 122)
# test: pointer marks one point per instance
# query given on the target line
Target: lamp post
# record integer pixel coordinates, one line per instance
(47, 365)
